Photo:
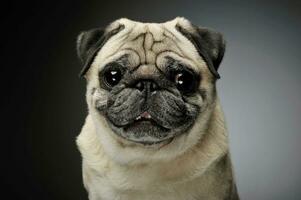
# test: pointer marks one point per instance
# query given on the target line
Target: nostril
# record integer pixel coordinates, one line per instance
(153, 87)
(146, 85)
(139, 86)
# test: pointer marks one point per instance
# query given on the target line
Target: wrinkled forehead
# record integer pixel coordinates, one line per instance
(150, 44)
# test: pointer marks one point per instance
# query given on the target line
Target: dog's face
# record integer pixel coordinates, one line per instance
(150, 86)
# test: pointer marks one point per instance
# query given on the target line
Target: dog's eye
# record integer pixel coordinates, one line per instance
(112, 76)
(185, 81)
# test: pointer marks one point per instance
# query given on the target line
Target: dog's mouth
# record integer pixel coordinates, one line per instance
(144, 120)
(144, 129)
(143, 116)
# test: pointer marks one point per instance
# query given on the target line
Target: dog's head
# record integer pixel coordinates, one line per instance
(151, 86)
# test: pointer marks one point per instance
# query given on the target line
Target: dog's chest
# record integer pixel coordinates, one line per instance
(143, 186)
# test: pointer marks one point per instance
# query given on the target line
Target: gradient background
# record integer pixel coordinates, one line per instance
(44, 100)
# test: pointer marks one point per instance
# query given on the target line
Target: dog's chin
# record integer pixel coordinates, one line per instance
(144, 132)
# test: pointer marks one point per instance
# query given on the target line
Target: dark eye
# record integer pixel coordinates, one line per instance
(112, 76)
(185, 81)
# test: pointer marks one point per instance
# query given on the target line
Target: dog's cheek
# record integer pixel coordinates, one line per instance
(206, 93)
(211, 94)
(96, 98)
(196, 99)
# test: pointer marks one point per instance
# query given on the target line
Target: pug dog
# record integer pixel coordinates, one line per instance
(155, 128)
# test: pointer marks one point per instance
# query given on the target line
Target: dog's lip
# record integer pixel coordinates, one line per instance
(147, 117)
(146, 120)
(143, 116)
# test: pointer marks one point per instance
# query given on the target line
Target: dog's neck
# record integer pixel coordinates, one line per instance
(206, 165)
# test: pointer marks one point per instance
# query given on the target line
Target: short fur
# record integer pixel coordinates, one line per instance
(196, 164)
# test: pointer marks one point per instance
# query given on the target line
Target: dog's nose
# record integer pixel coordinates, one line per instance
(146, 85)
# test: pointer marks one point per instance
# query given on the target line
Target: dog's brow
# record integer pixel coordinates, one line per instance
(177, 64)
(123, 60)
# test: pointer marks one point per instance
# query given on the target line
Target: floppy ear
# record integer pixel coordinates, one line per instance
(209, 44)
(90, 42)
(85, 42)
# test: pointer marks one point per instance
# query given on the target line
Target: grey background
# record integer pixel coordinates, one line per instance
(260, 92)
(44, 102)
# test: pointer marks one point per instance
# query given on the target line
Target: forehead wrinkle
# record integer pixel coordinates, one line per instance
(176, 35)
(135, 42)
(137, 36)
(147, 46)
(126, 36)
(173, 37)
(165, 34)
(157, 34)
(147, 36)
(171, 34)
